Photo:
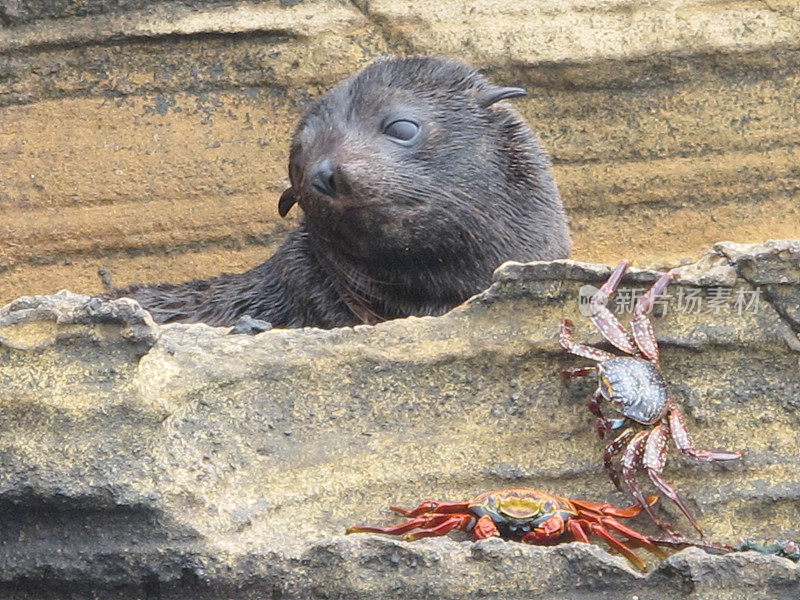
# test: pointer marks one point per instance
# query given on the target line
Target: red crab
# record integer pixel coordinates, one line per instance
(533, 517)
(635, 387)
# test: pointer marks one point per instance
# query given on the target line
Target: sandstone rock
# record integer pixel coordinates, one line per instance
(183, 462)
(150, 138)
(773, 266)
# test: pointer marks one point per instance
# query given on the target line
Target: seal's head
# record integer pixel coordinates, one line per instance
(416, 181)
(415, 161)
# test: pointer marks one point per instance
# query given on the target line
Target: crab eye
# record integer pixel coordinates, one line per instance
(401, 130)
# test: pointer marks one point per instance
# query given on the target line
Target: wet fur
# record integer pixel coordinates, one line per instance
(416, 232)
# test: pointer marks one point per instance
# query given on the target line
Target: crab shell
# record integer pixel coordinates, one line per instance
(635, 387)
(517, 512)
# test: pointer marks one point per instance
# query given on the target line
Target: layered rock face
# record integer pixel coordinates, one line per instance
(151, 138)
(139, 461)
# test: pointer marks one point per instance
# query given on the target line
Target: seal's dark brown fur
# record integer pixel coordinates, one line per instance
(415, 183)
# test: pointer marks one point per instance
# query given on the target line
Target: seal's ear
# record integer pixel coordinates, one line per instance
(491, 94)
(286, 202)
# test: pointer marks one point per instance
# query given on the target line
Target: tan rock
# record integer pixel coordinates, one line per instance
(151, 138)
(496, 33)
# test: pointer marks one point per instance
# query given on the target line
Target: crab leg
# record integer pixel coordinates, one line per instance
(604, 319)
(424, 521)
(574, 372)
(683, 441)
(631, 461)
(655, 455)
(565, 339)
(611, 451)
(602, 517)
(576, 527)
(602, 425)
(578, 532)
(642, 329)
(606, 510)
(452, 522)
(594, 405)
(432, 506)
(605, 535)
(632, 535)
(679, 542)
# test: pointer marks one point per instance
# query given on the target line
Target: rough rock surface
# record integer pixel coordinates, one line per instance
(150, 138)
(139, 461)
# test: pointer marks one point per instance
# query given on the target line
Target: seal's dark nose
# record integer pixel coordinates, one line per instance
(322, 177)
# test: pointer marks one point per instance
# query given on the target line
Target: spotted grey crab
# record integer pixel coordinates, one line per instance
(635, 387)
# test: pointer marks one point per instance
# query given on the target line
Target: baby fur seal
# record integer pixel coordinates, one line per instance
(415, 182)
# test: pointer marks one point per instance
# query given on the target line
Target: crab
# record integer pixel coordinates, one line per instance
(635, 387)
(784, 548)
(529, 516)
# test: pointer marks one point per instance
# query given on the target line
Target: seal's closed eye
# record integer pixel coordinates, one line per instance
(402, 130)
